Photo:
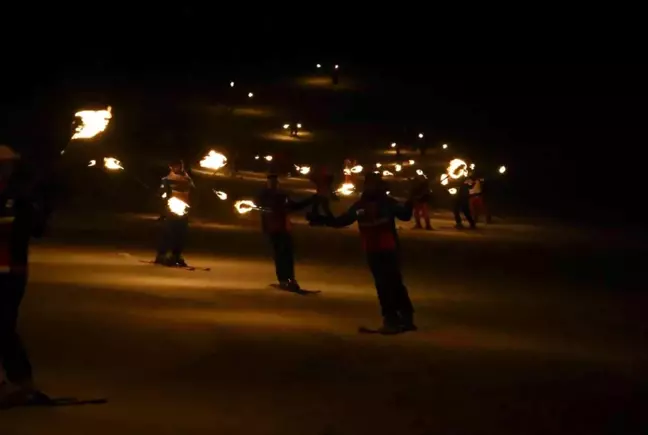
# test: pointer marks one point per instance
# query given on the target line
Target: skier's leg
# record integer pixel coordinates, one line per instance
(289, 256)
(377, 265)
(275, 240)
(466, 211)
(457, 215)
(426, 216)
(180, 239)
(164, 244)
(13, 356)
(417, 215)
(402, 300)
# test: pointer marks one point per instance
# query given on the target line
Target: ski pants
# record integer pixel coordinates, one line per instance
(174, 237)
(13, 357)
(462, 206)
(392, 293)
(283, 255)
(478, 208)
(422, 210)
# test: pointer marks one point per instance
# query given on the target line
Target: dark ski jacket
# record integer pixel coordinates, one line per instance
(376, 216)
(276, 207)
(23, 215)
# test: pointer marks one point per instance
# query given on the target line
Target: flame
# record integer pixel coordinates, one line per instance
(164, 195)
(304, 170)
(231, 84)
(457, 169)
(93, 122)
(420, 135)
(92, 163)
(357, 169)
(444, 179)
(244, 206)
(250, 95)
(398, 167)
(445, 146)
(177, 206)
(452, 191)
(472, 166)
(387, 174)
(286, 126)
(346, 189)
(393, 145)
(419, 172)
(213, 160)
(347, 171)
(502, 169)
(378, 165)
(318, 65)
(268, 158)
(220, 194)
(112, 164)
(411, 162)
(388, 192)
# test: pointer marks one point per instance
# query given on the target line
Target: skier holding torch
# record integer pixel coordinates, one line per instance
(175, 191)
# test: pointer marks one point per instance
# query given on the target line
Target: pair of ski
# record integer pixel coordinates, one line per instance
(60, 401)
(188, 268)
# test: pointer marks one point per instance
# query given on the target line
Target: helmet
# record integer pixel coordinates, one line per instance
(7, 153)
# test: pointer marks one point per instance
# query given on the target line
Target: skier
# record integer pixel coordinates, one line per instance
(177, 185)
(23, 213)
(276, 206)
(376, 213)
(421, 196)
(462, 204)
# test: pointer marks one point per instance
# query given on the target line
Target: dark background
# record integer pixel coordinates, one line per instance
(570, 132)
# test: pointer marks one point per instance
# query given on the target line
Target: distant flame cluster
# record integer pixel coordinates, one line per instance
(93, 122)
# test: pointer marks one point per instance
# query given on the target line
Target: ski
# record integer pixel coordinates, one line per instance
(189, 268)
(73, 401)
(302, 292)
(365, 330)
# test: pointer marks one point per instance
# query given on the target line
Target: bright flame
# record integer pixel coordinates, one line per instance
(304, 170)
(93, 122)
(256, 157)
(298, 125)
(420, 135)
(357, 169)
(231, 84)
(419, 172)
(250, 95)
(213, 160)
(220, 194)
(346, 189)
(378, 165)
(452, 191)
(244, 206)
(398, 167)
(444, 179)
(268, 158)
(472, 166)
(387, 174)
(112, 164)
(347, 171)
(337, 66)
(164, 195)
(502, 169)
(457, 169)
(393, 145)
(92, 163)
(388, 192)
(445, 146)
(411, 162)
(177, 206)
(286, 126)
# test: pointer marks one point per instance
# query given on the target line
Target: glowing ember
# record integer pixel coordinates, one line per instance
(457, 169)
(502, 169)
(177, 206)
(378, 165)
(393, 145)
(387, 174)
(444, 179)
(346, 189)
(452, 191)
(93, 122)
(398, 167)
(112, 164)
(92, 163)
(357, 169)
(347, 171)
(244, 206)
(268, 158)
(472, 166)
(213, 160)
(411, 162)
(220, 194)
(164, 195)
(388, 192)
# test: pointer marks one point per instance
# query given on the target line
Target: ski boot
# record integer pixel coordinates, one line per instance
(407, 322)
(161, 260)
(179, 262)
(15, 395)
(293, 285)
(390, 327)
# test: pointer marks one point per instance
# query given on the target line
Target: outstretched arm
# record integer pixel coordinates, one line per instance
(344, 220)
